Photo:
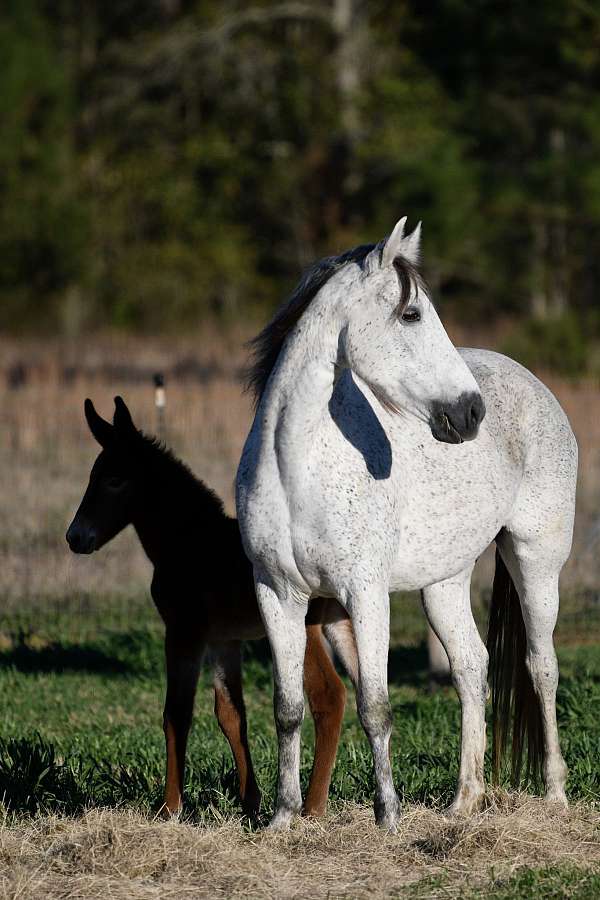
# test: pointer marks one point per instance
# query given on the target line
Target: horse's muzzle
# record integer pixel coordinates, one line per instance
(454, 423)
(81, 539)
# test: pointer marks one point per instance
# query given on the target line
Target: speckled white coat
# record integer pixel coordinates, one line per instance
(343, 491)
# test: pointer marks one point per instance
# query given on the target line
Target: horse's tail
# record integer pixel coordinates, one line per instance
(515, 705)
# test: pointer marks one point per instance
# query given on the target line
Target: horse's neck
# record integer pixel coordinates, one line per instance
(301, 386)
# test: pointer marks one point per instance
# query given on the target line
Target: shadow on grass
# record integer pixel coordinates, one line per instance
(115, 654)
(409, 666)
(57, 657)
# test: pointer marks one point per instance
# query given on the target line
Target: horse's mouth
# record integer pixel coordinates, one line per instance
(444, 431)
(452, 432)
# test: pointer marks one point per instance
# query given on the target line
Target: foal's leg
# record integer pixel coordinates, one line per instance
(448, 608)
(535, 573)
(327, 699)
(371, 621)
(183, 658)
(340, 635)
(283, 616)
(231, 716)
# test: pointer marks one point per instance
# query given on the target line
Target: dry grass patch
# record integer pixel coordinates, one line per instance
(111, 854)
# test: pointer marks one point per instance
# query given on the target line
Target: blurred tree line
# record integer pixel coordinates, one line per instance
(164, 160)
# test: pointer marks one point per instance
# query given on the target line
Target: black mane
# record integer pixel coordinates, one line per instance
(265, 347)
(176, 475)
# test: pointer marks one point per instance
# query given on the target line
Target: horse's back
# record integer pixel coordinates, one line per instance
(528, 414)
(525, 416)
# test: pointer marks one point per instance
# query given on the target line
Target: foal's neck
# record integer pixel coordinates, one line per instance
(176, 511)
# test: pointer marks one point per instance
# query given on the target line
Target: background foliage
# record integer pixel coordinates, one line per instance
(166, 160)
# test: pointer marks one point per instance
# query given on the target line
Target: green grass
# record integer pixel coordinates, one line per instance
(552, 883)
(82, 708)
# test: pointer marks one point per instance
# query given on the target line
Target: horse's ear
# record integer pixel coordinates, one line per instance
(393, 243)
(411, 246)
(399, 244)
(122, 418)
(100, 428)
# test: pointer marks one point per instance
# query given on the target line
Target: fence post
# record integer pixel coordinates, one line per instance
(160, 403)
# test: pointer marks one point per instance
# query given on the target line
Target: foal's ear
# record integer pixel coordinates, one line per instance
(122, 418)
(100, 428)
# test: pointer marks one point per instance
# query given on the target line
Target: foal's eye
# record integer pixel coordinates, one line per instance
(114, 483)
(412, 314)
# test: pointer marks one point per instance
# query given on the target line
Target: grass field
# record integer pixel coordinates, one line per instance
(81, 769)
(81, 680)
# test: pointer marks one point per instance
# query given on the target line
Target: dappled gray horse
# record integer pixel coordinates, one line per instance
(360, 476)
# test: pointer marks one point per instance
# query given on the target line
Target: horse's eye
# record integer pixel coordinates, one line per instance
(114, 483)
(412, 314)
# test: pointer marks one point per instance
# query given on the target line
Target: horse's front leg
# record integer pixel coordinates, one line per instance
(370, 613)
(283, 617)
(183, 657)
(448, 609)
(231, 716)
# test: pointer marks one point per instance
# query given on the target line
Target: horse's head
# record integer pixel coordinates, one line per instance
(108, 503)
(395, 342)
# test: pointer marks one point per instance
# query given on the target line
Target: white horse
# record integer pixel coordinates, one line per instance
(360, 477)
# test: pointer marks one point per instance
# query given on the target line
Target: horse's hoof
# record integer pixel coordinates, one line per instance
(281, 820)
(558, 800)
(387, 818)
(464, 805)
(388, 824)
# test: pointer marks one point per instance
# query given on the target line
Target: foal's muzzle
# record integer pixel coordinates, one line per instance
(454, 423)
(81, 539)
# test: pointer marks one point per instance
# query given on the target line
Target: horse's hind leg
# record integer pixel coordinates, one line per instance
(231, 716)
(448, 608)
(327, 699)
(535, 572)
(183, 657)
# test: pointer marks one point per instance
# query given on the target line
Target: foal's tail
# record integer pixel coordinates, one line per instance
(514, 702)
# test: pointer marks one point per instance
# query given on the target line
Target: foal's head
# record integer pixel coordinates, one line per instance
(115, 480)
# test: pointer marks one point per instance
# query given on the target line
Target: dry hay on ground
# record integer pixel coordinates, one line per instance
(119, 854)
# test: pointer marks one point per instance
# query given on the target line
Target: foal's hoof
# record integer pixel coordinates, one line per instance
(314, 811)
(251, 805)
(169, 815)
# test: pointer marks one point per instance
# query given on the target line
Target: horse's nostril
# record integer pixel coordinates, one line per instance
(477, 412)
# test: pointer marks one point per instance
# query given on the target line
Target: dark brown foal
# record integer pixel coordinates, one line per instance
(204, 591)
